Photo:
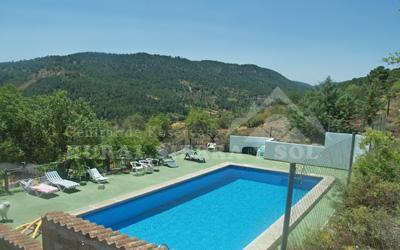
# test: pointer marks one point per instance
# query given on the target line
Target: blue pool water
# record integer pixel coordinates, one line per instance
(224, 209)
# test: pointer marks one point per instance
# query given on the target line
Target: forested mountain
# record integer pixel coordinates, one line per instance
(118, 85)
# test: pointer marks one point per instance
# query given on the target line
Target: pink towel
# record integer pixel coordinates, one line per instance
(44, 188)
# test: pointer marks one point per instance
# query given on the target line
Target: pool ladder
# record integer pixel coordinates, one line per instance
(299, 176)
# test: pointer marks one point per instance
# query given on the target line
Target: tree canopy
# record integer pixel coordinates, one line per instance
(39, 129)
(344, 107)
(50, 128)
(200, 122)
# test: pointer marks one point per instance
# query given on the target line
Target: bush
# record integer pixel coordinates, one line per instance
(256, 121)
(358, 228)
(43, 168)
(369, 216)
(375, 193)
(225, 120)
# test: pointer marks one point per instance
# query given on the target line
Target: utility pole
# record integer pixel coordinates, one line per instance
(288, 209)
(353, 142)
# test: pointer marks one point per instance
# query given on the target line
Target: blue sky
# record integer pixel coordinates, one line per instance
(304, 40)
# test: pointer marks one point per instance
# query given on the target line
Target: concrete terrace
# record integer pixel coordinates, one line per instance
(26, 208)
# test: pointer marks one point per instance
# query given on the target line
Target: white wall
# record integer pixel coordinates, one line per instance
(291, 152)
(335, 153)
(334, 138)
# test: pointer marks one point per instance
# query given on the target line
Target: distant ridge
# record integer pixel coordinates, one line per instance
(118, 85)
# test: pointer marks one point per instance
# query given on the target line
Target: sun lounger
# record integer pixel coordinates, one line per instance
(167, 159)
(39, 189)
(54, 178)
(170, 162)
(96, 176)
(192, 155)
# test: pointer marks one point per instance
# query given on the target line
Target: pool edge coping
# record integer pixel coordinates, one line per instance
(268, 238)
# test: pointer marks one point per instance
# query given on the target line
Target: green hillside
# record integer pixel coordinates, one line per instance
(117, 85)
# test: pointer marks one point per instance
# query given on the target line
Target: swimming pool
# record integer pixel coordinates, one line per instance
(226, 208)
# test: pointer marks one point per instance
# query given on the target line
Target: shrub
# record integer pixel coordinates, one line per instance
(369, 216)
(41, 169)
(256, 121)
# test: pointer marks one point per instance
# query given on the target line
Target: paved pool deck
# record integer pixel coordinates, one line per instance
(25, 207)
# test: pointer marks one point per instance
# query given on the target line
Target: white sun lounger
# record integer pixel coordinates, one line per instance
(54, 178)
(39, 189)
(96, 176)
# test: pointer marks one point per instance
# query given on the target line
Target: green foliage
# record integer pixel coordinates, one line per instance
(117, 86)
(380, 75)
(160, 125)
(2, 175)
(369, 215)
(338, 106)
(200, 122)
(369, 100)
(133, 122)
(9, 151)
(38, 129)
(295, 96)
(326, 106)
(225, 119)
(54, 128)
(395, 87)
(80, 157)
(256, 121)
(53, 166)
(276, 108)
(383, 159)
(393, 58)
(135, 144)
(307, 124)
(148, 142)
